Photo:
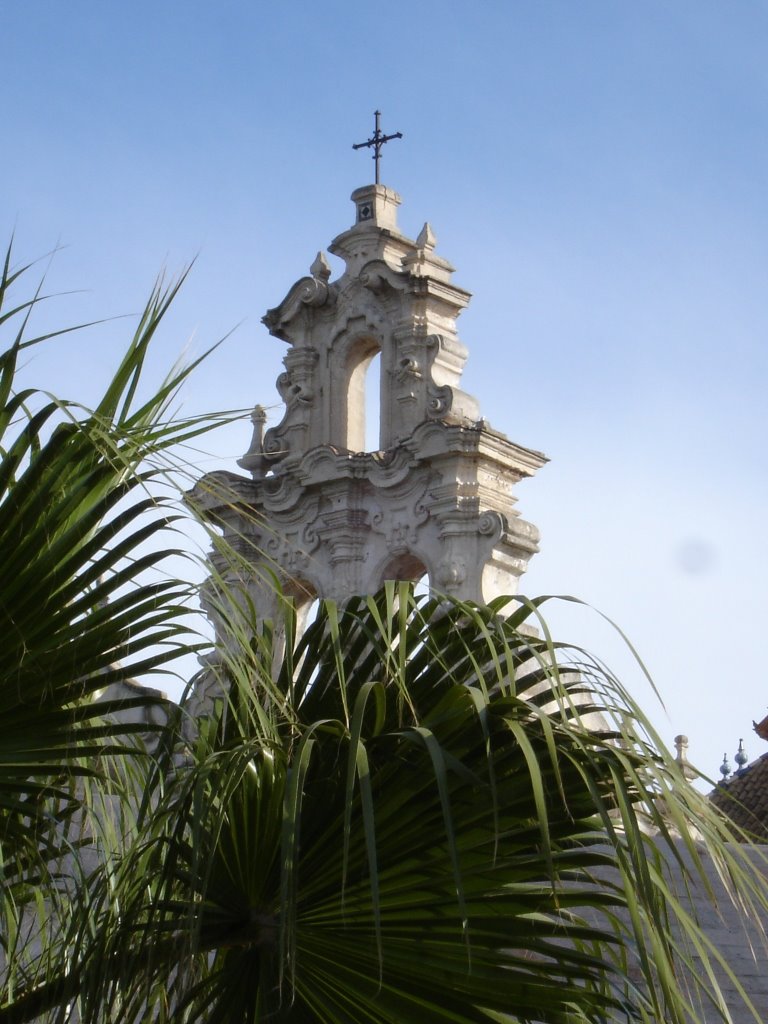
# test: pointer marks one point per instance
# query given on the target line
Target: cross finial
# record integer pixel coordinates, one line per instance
(377, 140)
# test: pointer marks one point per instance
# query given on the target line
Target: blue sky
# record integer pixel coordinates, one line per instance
(596, 172)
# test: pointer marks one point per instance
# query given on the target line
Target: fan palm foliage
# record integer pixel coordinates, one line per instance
(81, 526)
(421, 815)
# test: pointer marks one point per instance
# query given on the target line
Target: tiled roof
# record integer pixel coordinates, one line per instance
(744, 798)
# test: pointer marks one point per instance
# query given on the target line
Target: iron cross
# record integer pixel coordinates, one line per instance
(377, 140)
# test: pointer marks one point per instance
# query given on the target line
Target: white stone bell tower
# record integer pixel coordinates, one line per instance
(323, 517)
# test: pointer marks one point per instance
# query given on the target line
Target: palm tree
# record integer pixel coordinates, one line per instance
(410, 821)
(81, 525)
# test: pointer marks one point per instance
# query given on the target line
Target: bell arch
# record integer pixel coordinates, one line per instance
(374, 404)
(305, 599)
(356, 425)
(403, 566)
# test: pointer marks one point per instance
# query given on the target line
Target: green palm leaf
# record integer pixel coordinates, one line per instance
(83, 529)
(445, 840)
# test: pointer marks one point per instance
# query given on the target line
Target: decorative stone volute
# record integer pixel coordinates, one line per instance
(436, 497)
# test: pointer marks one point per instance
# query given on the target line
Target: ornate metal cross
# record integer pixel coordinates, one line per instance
(377, 140)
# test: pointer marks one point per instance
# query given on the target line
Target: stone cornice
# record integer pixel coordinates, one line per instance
(480, 450)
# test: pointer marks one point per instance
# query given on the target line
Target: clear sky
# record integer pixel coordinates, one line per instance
(596, 171)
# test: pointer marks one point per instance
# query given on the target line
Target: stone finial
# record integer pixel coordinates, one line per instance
(320, 268)
(681, 756)
(253, 458)
(426, 238)
(725, 767)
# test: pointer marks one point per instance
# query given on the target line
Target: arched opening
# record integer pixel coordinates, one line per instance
(363, 396)
(306, 614)
(407, 566)
(305, 601)
(373, 404)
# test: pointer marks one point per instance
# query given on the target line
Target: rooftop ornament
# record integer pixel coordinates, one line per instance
(740, 757)
(377, 140)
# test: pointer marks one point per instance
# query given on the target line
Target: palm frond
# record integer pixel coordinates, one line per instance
(84, 606)
(445, 840)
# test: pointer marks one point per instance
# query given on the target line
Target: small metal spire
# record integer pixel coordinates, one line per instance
(740, 757)
(725, 768)
(377, 140)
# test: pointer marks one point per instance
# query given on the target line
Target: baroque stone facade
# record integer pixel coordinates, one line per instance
(325, 518)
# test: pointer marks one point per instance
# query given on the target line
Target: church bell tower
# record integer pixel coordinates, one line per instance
(319, 515)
